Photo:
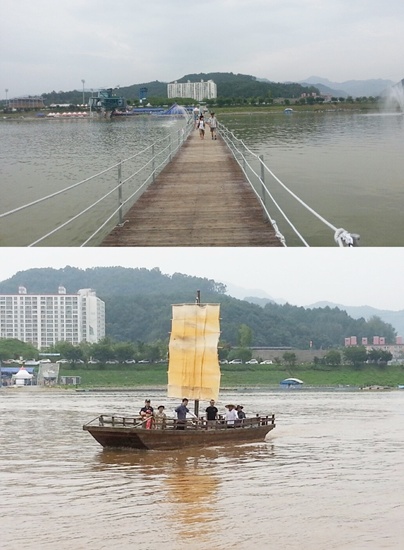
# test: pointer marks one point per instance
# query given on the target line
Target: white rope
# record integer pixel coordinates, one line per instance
(273, 222)
(87, 209)
(341, 236)
(86, 180)
(121, 205)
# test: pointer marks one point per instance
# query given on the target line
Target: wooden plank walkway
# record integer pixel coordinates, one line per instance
(201, 198)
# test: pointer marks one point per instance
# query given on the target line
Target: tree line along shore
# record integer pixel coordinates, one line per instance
(363, 105)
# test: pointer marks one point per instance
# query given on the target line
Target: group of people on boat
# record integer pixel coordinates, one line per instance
(157, 419)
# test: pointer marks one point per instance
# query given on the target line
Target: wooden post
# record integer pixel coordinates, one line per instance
(196, 404)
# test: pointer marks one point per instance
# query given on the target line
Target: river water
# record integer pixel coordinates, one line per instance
(348, 166)
(330, 476)
(40, 157)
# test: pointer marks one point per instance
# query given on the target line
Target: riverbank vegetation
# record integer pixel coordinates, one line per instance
(235, 92)
(236, 376)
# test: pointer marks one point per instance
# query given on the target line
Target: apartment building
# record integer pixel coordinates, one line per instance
(197, 90)
(44, 319)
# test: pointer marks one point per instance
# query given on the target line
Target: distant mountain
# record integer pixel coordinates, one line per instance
(261, 298)
(394, 318)
(354, 88)
(241, 85)
(326, 90)
(138, 307)
(254, 296)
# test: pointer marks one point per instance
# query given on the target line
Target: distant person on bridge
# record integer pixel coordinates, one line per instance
(201, 127)
(212, 121)
(196, 113)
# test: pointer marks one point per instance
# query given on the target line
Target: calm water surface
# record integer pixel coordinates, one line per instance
(348, 166)
(330, 476)
(40, 157)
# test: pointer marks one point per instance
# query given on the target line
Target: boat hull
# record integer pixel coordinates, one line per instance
(139, 438)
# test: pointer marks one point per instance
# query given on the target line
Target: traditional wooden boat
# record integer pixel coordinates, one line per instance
(193, 373)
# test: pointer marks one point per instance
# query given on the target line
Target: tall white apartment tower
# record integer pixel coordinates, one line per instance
(44, 319)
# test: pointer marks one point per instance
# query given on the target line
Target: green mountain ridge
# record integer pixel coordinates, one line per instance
(138, 307)
(228, 85)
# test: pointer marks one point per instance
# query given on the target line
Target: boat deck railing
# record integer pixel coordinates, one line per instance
(262, 180)
(174, 424)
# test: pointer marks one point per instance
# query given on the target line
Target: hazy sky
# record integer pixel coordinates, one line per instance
(348, 276)
(49, 46)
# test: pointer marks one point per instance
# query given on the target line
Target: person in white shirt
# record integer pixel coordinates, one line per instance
(231, 416)
(201, 126)
(212, 121)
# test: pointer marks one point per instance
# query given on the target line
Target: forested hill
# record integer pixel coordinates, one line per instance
(138, 307)
(228, 85)
(245, 86)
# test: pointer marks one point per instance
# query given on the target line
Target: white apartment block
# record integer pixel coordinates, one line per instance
(45, 319)
(197, 90)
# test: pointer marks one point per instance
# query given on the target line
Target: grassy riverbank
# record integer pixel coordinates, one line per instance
(318, 107)
(243, 376)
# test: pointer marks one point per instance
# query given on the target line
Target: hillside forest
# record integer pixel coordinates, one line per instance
(138, 309)
(229, 85)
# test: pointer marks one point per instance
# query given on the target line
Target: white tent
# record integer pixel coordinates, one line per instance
(21, 376)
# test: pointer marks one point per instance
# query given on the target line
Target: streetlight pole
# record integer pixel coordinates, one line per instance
(6, 90)
(83, 82)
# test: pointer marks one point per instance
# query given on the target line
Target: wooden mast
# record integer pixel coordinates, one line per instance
(196, 402)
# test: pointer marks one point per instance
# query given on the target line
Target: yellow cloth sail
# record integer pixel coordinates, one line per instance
(193, 368)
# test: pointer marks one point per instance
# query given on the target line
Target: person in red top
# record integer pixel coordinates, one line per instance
(146, 414)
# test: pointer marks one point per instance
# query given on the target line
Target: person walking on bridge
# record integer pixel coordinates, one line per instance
(201, 127)
(212, 121)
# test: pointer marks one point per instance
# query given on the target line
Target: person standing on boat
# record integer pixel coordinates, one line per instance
(240, 412)
(160, 418)
(211, 413)
(146, 412)
(182, 411)
(241, 415)
(212, 121)
(231, 416)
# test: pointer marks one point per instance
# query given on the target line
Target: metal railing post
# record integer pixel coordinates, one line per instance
(170, 147)
(153, 164)
(120, 213)
(263, 194)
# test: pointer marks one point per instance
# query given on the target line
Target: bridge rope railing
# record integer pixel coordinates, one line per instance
(245, 159)
(158, 155)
